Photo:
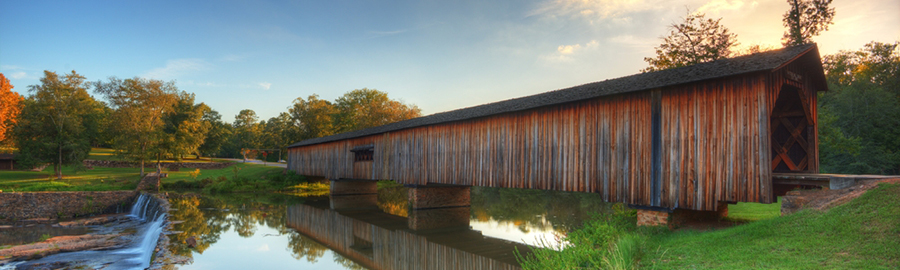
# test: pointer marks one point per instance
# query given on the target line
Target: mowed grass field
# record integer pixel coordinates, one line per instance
(99, 178)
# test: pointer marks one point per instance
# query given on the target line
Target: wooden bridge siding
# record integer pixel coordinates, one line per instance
(392, 249)
(809, 94)
(714, 147)
(711, 145)
(600, 145)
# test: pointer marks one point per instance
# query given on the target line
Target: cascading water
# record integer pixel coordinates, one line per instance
(146, 209)
(147, 217)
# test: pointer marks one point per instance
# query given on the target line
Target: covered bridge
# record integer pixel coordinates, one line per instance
(691, 138)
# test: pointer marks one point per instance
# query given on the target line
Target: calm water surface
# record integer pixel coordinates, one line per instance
(277, 231)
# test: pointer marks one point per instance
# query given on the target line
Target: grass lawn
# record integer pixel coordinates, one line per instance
(90, 180)
(100, 178)
(861, 234)
(754, 211)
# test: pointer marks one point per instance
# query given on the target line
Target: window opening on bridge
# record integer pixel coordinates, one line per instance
(363, 152)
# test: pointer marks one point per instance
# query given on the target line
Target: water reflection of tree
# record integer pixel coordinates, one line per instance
(303, 247)
(394, 201)
(207, 217)
(535, 209)
(347, 263)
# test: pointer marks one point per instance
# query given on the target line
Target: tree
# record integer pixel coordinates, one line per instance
(278, 132)
(365, 108)
(51, 126)
(140, 105)
(247, 131)
(217, 136)
(805, 19)
(693, 41)
(859, 116)
(185, 129)
(9, 107)
(312, 117)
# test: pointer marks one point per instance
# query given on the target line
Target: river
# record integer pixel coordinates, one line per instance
(272, 231)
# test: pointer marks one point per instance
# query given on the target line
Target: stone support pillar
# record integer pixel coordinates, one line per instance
(428, 197)
(353, 187)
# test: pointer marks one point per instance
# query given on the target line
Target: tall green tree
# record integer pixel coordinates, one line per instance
(217, 136)
(184, 128)
(859, 117)
(313, 117)
(140, 107)
(695, 40)
(365, 108)
(805, 19)
(278, 132)
(247, 130)
(51, 127)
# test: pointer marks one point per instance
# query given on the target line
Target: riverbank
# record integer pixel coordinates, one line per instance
(863, 233)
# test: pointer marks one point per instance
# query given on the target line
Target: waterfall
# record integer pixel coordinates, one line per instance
(147, 209)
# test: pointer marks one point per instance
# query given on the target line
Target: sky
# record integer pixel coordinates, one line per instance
(438, 55)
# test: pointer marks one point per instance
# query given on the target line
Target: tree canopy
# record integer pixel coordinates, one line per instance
(9, 107)
(51, 127)
(140, 107)
(805, 19)
(859, 117)
(695, 40)
(365, 108)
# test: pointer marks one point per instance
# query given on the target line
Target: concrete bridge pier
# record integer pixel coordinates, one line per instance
(438, 207)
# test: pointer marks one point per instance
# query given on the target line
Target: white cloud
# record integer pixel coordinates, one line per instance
(265, 85)
(18, 75)
(565, 53)
(264, 247)
(716, 6)
(595, 9)
(176, 68)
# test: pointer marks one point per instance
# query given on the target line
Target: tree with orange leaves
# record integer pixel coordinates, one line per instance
(9, 107)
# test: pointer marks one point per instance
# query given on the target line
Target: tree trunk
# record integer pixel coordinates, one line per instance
(58, 166)
(143, 148)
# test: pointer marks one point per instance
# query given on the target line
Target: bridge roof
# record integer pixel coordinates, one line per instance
(765, 61)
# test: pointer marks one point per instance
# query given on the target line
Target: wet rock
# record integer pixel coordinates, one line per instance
(63, 244)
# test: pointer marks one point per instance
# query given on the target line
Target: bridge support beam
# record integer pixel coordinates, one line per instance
(428, 197)
(353, 187)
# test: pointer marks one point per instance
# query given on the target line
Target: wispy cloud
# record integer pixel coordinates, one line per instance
(716, 6)
(15, 72)
(593, 10)
(264, 247)
(176, 68)
(565, 53)
(265, 85)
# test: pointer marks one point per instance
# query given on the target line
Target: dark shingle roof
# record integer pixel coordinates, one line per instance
(638, 82)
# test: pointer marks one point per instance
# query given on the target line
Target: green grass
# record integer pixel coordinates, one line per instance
(862, 234)
(250, 177)
(754, 211)
(98, 179)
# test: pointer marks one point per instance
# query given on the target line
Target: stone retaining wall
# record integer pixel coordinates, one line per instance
(172, 166)
(18, 207)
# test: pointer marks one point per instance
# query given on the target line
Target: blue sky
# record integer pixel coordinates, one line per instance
(439, 55)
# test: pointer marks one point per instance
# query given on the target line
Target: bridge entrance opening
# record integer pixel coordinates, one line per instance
(791, 130)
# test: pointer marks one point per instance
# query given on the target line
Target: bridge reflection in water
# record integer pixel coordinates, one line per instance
(354, 227)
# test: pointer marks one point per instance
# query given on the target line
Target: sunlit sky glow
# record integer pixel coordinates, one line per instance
(439, 55)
